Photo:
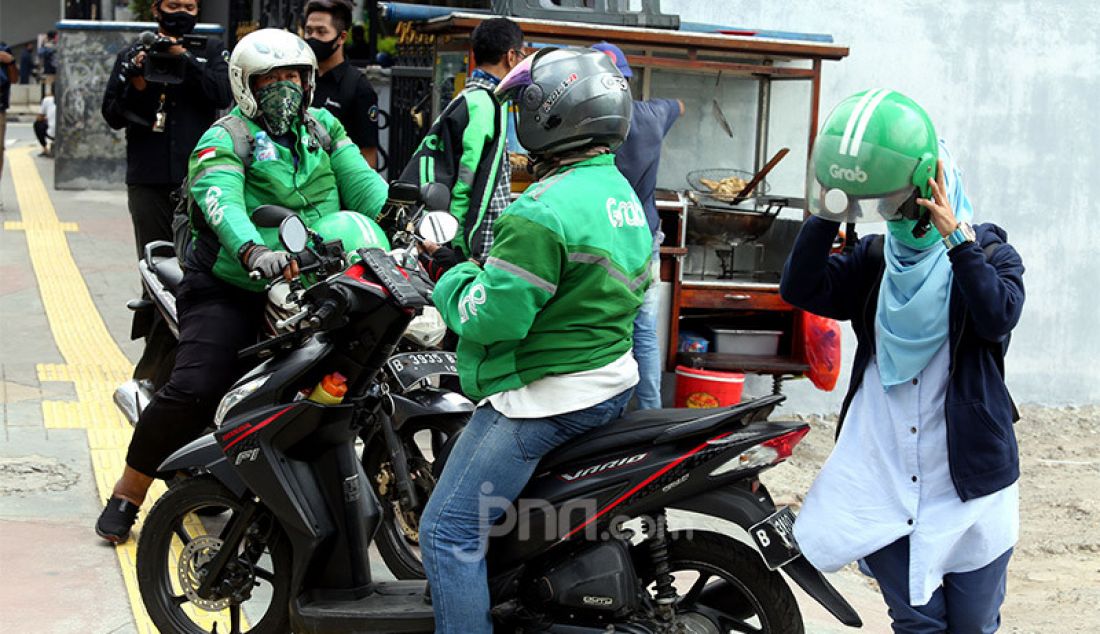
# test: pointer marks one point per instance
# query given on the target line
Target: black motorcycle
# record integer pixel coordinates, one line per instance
(398, 453)
(292, 553)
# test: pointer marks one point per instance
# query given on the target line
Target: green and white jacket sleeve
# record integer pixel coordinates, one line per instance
(361, 188)
(500, 301)
(216, 177)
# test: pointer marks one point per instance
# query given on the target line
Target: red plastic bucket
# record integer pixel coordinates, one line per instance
(707, 388)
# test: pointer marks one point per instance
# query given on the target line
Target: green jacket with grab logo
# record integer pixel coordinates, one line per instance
(561, 286)
(307, 179)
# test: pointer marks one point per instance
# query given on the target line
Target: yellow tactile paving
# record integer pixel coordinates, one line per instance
(93, 361)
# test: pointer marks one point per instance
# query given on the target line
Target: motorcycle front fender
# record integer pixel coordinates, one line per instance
(745, 508)
(205, 454)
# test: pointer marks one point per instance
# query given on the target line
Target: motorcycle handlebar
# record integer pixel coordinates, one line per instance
(323, 313)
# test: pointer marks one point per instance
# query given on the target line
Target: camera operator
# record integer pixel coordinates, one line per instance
(163, 122)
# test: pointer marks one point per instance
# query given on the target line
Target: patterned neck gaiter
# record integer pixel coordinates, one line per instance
(281, 105)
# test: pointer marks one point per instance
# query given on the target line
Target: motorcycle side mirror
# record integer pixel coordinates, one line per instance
(406, 193)
(293, 234)
(438, 226)
(270, 216)
(435, 196)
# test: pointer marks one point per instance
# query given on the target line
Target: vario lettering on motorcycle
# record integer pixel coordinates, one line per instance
(856, 175)
(467, 306)
(625, 212)
(214, 209)
(593, 470)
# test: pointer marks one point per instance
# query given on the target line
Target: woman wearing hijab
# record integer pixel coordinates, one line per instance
(921, 488)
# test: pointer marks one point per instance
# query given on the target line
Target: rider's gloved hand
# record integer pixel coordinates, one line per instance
(270, 264)
(441, 260)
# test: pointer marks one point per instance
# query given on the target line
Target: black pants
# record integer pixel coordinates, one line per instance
(216, 321)
(151, 209)
(40, 129)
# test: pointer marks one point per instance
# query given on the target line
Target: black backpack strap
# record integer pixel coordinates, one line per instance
(318, 132)
(876, 253)
(241, 134)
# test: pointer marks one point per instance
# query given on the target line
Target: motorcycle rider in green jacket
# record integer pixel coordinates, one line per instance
(290, 161)
(545, 323)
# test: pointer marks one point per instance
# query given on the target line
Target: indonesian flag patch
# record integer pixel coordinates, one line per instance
(206, 153)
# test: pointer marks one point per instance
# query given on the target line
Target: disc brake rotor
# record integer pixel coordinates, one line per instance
(192, 563)
(695, 623)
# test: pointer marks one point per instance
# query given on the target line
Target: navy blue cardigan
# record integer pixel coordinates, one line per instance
(987, 298)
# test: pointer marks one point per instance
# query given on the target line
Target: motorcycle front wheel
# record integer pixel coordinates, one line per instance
(724, 586)
(177, 543)
(398, 537)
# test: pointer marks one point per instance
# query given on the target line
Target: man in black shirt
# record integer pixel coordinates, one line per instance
(163, 123)
(341, 88)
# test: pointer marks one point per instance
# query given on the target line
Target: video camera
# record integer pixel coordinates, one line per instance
(160, 65)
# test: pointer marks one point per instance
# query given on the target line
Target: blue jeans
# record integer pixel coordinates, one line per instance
(647, 352)
(491, 462)
(967, 603)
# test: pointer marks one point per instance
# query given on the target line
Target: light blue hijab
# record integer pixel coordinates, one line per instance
(914, 301)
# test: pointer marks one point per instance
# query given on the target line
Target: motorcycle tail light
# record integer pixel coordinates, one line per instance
(765, 454)
(784, 445)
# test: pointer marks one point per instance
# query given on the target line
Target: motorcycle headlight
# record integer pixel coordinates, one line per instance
(236, 395)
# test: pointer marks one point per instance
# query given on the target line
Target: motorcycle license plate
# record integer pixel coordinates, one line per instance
(409, 368)
(774, 537)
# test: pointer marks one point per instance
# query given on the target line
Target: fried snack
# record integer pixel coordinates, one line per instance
(728, 187)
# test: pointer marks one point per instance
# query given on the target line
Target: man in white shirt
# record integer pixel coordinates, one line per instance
(44, 124)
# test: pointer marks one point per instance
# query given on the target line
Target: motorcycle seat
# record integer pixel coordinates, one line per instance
(655, 426)
(168, 271)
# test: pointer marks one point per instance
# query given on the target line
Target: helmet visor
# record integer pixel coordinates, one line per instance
(516, 79)
(840, 206)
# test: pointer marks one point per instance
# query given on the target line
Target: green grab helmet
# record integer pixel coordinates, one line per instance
(354, 230)
(872, 158)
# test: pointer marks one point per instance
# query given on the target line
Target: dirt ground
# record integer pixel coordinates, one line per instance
(1054, 576)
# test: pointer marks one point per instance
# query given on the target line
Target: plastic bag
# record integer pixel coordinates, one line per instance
(821, 341)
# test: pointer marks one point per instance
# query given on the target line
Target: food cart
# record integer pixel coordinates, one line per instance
(745, 96)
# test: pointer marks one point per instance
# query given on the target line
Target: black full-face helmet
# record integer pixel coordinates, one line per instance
(568, 99)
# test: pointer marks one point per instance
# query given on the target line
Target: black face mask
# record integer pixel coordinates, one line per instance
(323, 50)
(178, 23)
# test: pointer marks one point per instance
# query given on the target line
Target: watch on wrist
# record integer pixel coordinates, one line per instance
(962, 233)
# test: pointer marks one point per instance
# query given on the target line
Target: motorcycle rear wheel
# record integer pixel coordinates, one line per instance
(398, 536)
(724, 586)
(176, 542)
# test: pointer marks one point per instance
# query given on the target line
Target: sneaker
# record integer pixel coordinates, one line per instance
(116, 520)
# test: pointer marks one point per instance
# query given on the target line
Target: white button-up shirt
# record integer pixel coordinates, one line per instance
(888, 477)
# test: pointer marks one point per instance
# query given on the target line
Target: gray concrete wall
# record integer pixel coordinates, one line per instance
(89, 154)
(1012, 87)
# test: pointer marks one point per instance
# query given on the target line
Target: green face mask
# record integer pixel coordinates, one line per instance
(281, 104)
(902, 230)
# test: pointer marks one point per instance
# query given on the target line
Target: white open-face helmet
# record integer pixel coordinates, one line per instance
(263, 51)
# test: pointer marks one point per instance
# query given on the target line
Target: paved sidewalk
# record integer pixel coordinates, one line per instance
(56, 574)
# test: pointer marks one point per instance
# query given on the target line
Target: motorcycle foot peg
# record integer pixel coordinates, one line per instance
(137, 305)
